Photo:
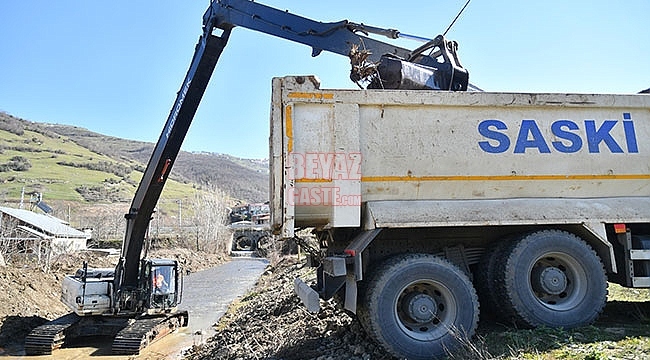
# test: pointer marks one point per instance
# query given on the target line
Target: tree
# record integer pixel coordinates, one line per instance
(209, 220)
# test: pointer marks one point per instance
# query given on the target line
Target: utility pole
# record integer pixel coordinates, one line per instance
(180, 213)
(22, 198)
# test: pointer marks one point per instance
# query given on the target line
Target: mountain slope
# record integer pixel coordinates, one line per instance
(107, 168)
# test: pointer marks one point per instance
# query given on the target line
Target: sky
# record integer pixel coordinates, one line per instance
(115, 67)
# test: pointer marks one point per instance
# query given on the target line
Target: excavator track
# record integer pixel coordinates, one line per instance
(144, 331)
(49, 336)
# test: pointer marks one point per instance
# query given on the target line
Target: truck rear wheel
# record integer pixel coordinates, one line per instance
(552, 278)
(485, 279)
(418, 306)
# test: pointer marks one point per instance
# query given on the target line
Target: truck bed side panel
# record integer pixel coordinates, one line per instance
(426, 145)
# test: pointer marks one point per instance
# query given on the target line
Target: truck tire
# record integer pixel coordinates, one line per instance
(485, 278)
(264, 246)
(551, 278)
(418, 306)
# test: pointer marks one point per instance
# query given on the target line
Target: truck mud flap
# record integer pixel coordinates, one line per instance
(307, 295)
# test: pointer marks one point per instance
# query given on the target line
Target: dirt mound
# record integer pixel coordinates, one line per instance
(270, 323)
(190, 260)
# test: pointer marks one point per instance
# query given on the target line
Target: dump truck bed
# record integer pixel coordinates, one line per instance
(338, 154)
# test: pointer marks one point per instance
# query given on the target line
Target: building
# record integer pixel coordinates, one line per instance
(23, 231)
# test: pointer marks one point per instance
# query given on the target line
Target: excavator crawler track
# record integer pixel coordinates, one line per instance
(49, 336)
(144, 331)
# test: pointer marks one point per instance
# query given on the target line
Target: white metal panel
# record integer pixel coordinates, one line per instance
(640, 254)
(428, 145)
(641, 282)
(276, 163)
(93, 295)
(539, 211)
(435, 152)
(313, 130)
(347, 211)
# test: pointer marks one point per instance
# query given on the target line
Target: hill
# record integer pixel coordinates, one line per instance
(72, 163)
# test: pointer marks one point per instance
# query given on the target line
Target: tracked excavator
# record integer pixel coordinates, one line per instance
(137, 301)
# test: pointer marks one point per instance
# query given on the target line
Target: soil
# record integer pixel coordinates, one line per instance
(271, 323)
(30, 296)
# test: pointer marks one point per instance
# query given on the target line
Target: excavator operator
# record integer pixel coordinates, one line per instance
(160, 284)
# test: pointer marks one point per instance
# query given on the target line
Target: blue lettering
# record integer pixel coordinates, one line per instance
(596, 136)
(630, 135)
(567, 135)
(574, 139)
(502, 139)
(529, 127)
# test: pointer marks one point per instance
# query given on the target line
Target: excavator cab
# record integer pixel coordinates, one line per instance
(162, 285)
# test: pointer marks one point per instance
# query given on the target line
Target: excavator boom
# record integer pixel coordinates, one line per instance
(205, 58)
(337, 37)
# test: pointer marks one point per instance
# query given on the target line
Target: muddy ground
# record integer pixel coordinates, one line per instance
(29, 296)
(270, 323)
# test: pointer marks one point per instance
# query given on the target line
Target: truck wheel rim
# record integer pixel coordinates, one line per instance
(558, 281)
(424, 309)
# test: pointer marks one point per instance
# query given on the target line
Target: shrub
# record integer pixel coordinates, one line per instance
(105, 166)
(11, 124)
(16, 163)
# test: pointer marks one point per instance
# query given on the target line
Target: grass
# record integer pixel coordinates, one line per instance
(621, 332)
(59, 182)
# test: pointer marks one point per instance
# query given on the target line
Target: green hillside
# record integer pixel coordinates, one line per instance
(62, 170)
(243, 179)
(74, 164)
(38, 161)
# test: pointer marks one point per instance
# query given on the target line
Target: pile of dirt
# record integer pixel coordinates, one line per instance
(270, 323)
(190, 260)
(30, 296)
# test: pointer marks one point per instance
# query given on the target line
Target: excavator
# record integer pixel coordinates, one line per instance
(137, 302)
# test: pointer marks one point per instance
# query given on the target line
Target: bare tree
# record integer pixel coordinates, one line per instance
(18, 245)
(107, 222)
(209, 220)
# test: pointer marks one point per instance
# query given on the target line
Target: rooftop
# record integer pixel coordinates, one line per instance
(46, 224)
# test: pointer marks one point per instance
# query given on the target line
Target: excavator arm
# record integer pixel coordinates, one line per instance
(434, 65)
(439, 69)
(205, 58)
(336, 37)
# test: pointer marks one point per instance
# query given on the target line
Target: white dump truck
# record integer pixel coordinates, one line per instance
(427, 203)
